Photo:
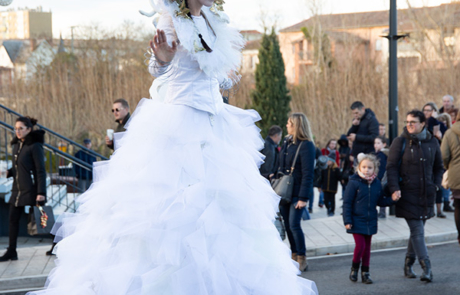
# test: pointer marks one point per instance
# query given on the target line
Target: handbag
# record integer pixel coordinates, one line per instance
(41, 220)
(284, 185)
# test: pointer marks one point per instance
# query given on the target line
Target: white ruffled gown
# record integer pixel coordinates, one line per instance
(180, 208)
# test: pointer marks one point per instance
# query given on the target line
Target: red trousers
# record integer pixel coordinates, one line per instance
(362, 251)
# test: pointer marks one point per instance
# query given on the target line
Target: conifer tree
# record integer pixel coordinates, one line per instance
(270, 97)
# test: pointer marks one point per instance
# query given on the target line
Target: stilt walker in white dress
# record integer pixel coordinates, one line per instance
(180, 208)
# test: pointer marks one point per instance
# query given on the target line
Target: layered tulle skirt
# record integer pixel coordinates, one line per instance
(179, 209)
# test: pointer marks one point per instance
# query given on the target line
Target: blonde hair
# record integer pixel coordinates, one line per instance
(302, 130)
(446, 117)
(371, 158)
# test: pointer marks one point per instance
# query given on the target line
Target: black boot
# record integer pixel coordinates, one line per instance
(365, 275)
(354, 272)
(408, 271)
(447, 207)
(9, 255)
(50, 251)
(427, 275)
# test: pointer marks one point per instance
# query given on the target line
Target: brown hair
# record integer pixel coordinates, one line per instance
(123, 102)
(382, 139)
(446, 117)
(329, 142)
(27, 121)
(302, 130)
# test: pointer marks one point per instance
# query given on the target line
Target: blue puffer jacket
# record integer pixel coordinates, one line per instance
(359, 205)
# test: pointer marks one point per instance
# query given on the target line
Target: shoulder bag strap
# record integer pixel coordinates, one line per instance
(295, 158)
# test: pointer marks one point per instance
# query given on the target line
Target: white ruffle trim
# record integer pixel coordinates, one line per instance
(179, 209)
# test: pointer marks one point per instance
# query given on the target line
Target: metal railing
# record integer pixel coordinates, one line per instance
(63, 188)
(60, 142)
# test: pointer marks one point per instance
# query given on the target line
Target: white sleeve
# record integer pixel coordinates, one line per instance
(165, 23)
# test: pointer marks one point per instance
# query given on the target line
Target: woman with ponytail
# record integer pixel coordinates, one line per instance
(28, 161)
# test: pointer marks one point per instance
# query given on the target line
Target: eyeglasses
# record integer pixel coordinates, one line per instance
(116, 110)
(20, 128)
(411, 122)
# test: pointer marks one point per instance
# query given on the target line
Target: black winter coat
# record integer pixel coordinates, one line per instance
(303, 169)
(28, 158)
(330, 178)
(359, 205)
(270, 151)
(419, 176)
(366, 132)
(344, 150)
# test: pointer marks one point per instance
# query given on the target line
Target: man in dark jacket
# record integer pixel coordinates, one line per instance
(120, 111)
(85, 177)
(270, 150)
(414, 171)
(364, 130)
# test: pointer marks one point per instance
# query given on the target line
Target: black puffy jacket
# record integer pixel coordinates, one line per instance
(28, 160)
(417, 175)
(360, 201)
(366, 132)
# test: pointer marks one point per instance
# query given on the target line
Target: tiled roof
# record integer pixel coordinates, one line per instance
(255, 32)
(250, 45)
(445, 13)
(13, 48)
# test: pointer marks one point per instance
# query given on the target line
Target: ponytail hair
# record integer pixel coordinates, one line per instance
(27, 121)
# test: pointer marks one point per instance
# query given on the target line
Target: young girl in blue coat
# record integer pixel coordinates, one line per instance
(363, 194)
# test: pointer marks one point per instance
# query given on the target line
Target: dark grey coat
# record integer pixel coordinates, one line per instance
(418, 177)
(28, 159)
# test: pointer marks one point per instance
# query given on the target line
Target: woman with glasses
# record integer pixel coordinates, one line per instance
(29, 174)
(181, 208)
(414, 171)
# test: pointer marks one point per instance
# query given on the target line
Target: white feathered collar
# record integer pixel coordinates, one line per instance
(225, 58)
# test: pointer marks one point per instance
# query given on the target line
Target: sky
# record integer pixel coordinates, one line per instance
(244, 14)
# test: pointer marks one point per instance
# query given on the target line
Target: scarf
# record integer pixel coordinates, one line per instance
(369, 179)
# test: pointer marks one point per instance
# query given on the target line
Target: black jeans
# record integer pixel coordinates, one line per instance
(15, 216)
(329, 201)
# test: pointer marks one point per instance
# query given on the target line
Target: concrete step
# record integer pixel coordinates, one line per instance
(22, 283)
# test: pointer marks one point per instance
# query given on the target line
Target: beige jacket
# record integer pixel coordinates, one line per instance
(450, 149)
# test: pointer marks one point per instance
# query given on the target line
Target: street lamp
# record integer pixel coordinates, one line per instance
(393, 109)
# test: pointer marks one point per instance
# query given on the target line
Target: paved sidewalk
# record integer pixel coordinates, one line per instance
(324, 235)
(327, 235)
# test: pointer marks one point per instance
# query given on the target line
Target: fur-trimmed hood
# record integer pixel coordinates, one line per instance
(31, 138)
